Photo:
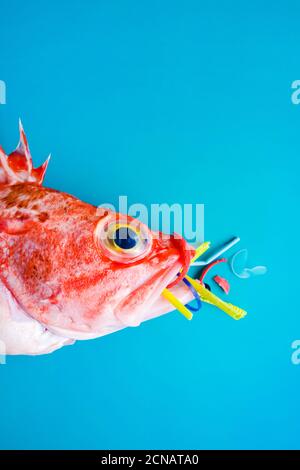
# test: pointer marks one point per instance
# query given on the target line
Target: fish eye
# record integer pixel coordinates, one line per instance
(125, 238)
(123, 241)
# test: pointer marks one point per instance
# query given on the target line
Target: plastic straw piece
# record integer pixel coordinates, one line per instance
(222, 250)
(167, 294)
(201, 250)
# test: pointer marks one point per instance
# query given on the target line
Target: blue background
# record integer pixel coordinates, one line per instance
(165, 101)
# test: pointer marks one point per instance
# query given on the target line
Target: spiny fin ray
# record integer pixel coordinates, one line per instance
(17, 166)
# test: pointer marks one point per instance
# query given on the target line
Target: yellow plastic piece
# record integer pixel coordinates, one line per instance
(200, 251)
(235, 312)
(167, 294)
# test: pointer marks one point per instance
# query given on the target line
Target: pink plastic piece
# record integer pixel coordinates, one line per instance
(223, 283)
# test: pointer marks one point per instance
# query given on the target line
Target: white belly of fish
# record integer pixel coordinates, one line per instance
(21, 334)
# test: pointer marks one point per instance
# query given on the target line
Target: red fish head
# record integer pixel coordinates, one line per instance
(80, 271)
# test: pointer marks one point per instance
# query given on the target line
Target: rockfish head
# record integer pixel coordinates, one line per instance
(78, 270)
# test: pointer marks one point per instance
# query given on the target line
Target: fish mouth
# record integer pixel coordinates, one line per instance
(131, 312)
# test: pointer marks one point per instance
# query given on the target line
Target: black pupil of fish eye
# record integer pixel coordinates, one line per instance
(125, 238)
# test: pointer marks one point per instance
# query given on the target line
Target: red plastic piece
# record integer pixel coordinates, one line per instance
(223, 283)
(205, 270)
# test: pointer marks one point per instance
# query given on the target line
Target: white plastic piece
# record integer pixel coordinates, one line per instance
(238, 265)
